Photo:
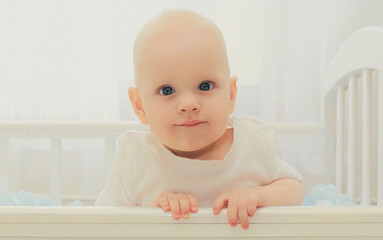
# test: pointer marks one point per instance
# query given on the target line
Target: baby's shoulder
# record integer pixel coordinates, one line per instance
(132, 137)
(254, 125)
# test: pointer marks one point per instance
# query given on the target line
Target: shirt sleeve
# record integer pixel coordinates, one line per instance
(283, 170)
(116, 192)
(280, 169)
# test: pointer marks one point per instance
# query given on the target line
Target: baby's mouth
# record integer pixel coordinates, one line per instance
(192, 123)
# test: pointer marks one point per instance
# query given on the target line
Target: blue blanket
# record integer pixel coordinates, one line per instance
(326, 195)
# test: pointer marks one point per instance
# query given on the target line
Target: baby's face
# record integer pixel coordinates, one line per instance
(185, 88)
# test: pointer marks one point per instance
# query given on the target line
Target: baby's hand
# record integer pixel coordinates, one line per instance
(240, 203)
(177, 203)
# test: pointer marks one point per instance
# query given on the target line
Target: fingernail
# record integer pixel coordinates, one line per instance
(194, 208)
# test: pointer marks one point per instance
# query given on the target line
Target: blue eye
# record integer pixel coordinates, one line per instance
(205, 86)
(166, 90)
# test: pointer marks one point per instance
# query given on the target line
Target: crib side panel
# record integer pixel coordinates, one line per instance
(133, 223)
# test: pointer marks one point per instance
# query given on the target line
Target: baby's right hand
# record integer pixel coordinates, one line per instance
(177, 203)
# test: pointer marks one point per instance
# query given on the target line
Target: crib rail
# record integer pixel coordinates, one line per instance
(133, 223)
(363, 48)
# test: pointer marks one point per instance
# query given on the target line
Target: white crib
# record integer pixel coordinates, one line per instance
(360, 59)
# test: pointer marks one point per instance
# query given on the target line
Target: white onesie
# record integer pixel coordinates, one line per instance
(144, 168)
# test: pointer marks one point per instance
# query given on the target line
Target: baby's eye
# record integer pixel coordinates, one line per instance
(205, 86)
(166, 90)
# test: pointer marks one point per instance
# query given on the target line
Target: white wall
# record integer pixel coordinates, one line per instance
(301, 36)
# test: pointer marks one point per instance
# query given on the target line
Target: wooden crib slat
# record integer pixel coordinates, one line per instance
(339, 138)
(56, 182)
(366, 137)
(380, 138)
(351, 180)
(4, 166)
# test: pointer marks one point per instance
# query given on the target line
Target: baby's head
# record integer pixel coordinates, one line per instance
(182, 74)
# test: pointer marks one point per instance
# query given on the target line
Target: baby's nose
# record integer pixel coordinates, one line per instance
(189, 107)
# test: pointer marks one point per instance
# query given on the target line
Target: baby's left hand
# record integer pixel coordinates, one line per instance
(240, 203)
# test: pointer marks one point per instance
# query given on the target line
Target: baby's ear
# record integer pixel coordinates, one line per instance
(136, 102)
(233, 93)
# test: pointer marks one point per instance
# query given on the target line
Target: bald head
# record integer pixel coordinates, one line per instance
(172, 32)
(182, 72)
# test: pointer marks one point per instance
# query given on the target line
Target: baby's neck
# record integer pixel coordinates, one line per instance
(215, 151)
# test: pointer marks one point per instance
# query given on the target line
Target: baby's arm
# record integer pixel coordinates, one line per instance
(281, 192)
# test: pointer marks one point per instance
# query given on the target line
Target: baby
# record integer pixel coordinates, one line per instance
(196, 153)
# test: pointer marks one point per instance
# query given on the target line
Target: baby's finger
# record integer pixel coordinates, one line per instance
(193, 202)
(174, 205)
(155, 203)
(232, 209)
(163, 202)
(220, 202)
(251, 205)
(184, 205)
(242, 211)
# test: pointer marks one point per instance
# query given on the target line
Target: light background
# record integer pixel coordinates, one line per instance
(72, 60)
